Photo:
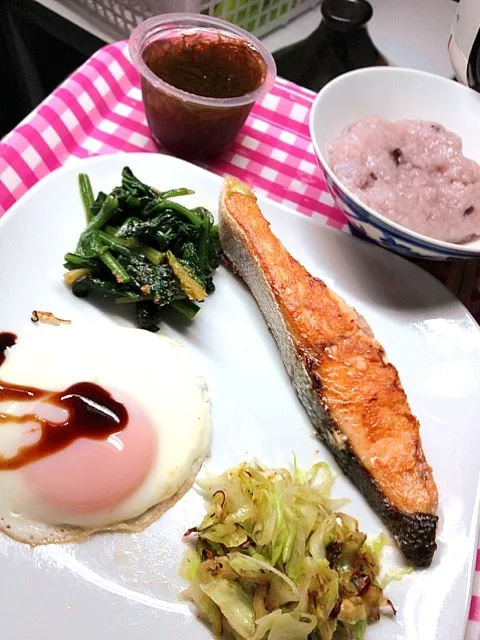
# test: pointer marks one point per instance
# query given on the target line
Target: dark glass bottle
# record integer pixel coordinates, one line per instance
(340, 43)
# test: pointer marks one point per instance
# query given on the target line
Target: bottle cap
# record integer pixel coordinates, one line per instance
(346, 15)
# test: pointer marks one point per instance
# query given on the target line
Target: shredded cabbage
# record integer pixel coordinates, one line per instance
(273, 560)
(377, 544)
(396, 575)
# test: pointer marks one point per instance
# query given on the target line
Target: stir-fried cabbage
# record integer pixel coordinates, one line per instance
(273, 560)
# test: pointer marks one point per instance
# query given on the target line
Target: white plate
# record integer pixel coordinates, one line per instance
(126, 586)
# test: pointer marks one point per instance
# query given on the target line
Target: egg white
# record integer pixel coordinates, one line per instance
(157, 373)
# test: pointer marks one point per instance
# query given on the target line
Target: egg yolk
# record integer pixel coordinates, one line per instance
(89, 476)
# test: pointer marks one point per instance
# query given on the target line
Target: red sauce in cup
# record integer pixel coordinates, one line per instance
(214, 67)
(199, 84)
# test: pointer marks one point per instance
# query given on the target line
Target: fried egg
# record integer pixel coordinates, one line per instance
(122, 481)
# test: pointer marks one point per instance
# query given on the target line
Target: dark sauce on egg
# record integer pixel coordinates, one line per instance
(91, 413)
(218, 67)
(207, 65)
(6, 340)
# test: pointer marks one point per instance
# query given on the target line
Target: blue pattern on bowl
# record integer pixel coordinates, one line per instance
(401, 241)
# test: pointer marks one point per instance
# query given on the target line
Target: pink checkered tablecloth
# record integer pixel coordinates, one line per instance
(99, 110)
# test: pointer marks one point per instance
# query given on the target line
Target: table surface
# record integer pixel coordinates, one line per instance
(99, 110)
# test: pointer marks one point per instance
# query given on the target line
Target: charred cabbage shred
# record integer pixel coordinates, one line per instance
(274, 560)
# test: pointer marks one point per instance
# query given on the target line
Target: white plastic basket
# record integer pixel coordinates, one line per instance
(120, 17)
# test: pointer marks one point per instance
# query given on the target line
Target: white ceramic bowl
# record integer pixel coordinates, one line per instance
(394, 94)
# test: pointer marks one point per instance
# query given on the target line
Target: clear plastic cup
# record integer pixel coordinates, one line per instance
(189, 125)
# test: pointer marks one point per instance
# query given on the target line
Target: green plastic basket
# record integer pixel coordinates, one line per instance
(117, 18)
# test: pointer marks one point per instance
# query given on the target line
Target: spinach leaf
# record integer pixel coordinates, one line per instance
(150, 280)
(148, 315)
(142, 247)
(96, 284)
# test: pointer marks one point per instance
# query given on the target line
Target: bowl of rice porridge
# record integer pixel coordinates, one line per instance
(400, 152)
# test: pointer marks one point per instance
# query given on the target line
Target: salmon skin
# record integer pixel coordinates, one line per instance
(352, 394)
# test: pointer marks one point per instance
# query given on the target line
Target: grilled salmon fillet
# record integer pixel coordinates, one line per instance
(350, 391)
